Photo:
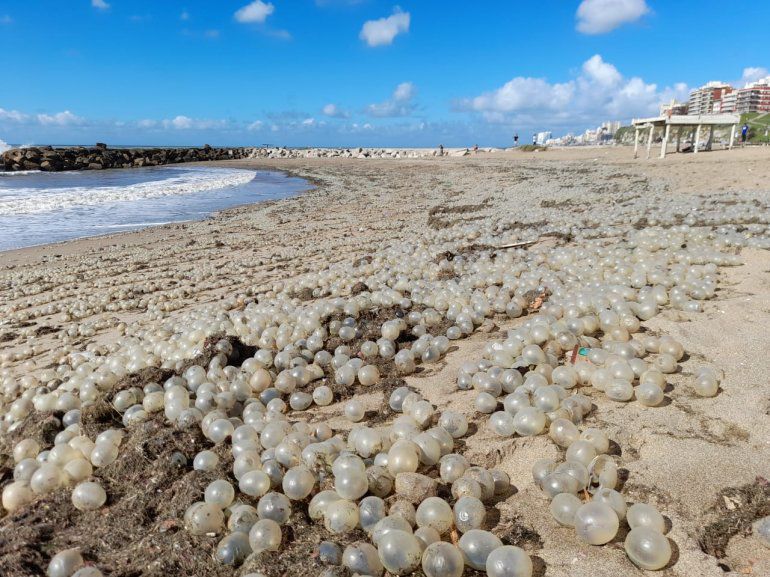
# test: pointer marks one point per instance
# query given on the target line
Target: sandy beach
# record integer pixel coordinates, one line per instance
(703, 462)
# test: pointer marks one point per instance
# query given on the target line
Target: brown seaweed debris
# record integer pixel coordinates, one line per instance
(736, 508)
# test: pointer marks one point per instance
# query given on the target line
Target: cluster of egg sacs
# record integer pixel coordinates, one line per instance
(283, 464)
(588, 469)
(68, 464)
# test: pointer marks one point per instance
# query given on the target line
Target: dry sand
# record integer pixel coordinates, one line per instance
(698, 460)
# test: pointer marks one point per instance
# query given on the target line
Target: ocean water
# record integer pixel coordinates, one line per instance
(44, 207)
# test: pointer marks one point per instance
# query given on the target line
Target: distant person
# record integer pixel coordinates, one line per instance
(745, 133)
(475, 148)
(441, 150)
(515, 139)
(534, 140)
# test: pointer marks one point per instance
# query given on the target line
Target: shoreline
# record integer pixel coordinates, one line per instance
(129, 228)
(621, 156)
(681, 456)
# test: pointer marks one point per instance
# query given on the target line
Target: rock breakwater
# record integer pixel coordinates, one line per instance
(99, 157)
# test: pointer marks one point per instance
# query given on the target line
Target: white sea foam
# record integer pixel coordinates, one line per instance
(17, 201)
(19, 172)
(4, 146)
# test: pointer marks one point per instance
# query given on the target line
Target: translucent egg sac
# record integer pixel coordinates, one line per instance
(204, 518)
(233, 549)
(563, 508)
(643, 515)
(298, 483)
(476, 545)
(16, 495)
(647, 548)
(436, 513)
(88, 496)
(596, 523)
(341, 517)
(363, 559)
(65, 563)
(441, 559)
(265, 535)
(400, 552)
(509, 561)
(469, 513)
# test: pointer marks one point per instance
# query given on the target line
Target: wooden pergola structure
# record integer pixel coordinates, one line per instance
(694, 123)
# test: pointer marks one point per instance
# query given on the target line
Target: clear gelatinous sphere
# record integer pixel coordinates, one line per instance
(441, 559)
(647, 548)
(265, 535)
(469, 513)
(298, 483)
(644, 515)
(204, 518)
(88, 496)
(341, 517)
(400, 552)
(596, 523)
(233, 549)
(65, 563)
(563, 508)
(363, 559)
(436, 513)
(275, 506)
(509, 561)
(476, 545)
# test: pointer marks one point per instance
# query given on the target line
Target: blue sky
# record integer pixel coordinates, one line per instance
(357, 72)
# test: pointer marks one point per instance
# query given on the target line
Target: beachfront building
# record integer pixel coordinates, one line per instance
(728, 104)
(543, 137)
(754, 97)
(702, 99)
(673, 108)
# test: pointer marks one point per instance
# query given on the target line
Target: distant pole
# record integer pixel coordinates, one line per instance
(649, 140)
(678, 138)
(636, 142)
(711, 137)
(697, 137)
(665, 141)
(732, 136)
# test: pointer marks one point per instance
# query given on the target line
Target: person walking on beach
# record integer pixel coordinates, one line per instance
(441, 150)
(515, 139)
(534, 140)
(745, 132)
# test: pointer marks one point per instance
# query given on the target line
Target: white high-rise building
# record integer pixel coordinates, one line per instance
(702, 99)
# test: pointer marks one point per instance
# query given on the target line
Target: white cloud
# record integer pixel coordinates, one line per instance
(751, 74)
(400, 104)
(256, 125)
(308, 122)
(12, 116)
(256, 11)
(65, 118)
(147, 123)
(599, 92)
(524, 93)
(602, 16)
(382, 32)
(100, 4)
(601, 72)
(334, 111)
